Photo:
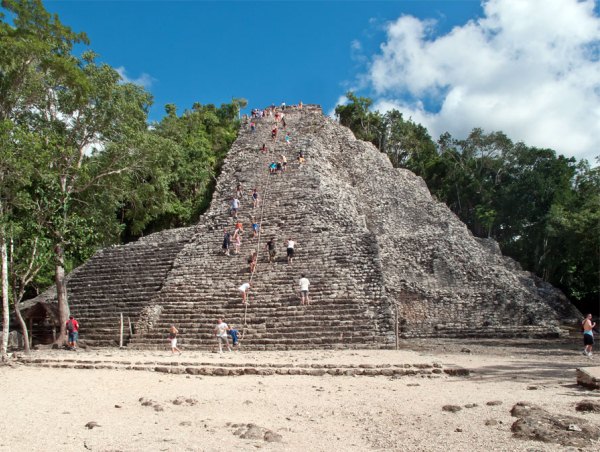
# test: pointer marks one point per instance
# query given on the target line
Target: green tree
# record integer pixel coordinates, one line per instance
(181, 159)
(35, 46)
(407, 144)
(356, 115)
(89, 133)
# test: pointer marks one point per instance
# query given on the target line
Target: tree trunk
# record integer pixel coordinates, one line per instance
(61, 294)
(5, 313)
(23, 325)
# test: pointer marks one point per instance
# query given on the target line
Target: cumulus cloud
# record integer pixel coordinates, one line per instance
(342, 100)
(144, 79)
(529, 68)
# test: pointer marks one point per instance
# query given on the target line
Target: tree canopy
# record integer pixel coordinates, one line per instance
(80, 167)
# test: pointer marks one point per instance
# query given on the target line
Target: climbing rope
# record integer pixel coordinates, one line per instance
(260, 230)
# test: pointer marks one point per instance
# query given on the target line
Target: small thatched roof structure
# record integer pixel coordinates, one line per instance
(42, 320)
(41, 310)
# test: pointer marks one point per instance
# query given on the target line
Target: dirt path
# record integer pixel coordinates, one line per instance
(47, 409)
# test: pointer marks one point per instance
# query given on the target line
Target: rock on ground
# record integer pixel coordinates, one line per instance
(537, 424)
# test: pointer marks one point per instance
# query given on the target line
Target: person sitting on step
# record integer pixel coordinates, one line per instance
(234, 336)
(301, 159)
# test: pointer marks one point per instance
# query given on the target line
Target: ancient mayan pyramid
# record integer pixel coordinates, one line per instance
(373, 242)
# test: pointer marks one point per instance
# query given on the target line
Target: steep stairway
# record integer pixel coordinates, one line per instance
(120, 280)
(346, 308)
(384, 258)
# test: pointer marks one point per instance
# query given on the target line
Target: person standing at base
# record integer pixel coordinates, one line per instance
(304, 283)
(72, 332)
(588, 335)
(221, 330)
(173, 339)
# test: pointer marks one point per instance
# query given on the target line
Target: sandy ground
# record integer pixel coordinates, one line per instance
(45, 409)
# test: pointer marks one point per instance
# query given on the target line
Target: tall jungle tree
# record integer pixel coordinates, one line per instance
(35, 46)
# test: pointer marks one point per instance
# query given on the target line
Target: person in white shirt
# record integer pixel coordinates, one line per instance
(235, 205)
(221, 333)
(244, 289)
(304, 283)
(290, 250)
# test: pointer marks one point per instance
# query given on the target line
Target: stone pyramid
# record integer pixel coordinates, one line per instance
(384, 259)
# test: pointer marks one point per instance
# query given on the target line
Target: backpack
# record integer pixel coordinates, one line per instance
(70, 326)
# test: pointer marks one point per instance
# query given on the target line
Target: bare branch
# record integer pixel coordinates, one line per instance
(101, 176)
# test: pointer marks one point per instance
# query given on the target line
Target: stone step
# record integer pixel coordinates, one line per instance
(173, 366)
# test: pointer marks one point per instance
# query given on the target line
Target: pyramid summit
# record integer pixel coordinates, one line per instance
(384, 259)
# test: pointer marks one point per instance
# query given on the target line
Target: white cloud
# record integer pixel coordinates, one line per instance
(529, 68)
(342, 100)
(144, 79)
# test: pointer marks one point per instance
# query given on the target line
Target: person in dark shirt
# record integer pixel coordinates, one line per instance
(271, 248)
(226, 242)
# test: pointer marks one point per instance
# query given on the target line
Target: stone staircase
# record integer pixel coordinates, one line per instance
(347, 306)
(221, 369)
(119, 280)
(373, 242)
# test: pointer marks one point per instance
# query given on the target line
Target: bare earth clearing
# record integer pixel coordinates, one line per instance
(48, 408)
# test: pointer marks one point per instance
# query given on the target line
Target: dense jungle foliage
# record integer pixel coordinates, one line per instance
(80, 165)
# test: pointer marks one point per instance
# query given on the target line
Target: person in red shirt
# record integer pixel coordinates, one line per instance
(72, 332)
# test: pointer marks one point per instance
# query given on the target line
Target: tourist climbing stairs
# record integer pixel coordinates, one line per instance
(345, 293)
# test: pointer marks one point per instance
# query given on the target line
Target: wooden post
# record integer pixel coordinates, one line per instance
(130, 327)
(397, 339)
(121, 334)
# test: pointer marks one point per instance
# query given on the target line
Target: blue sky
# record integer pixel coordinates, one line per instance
(530, 68)
(265, 51)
